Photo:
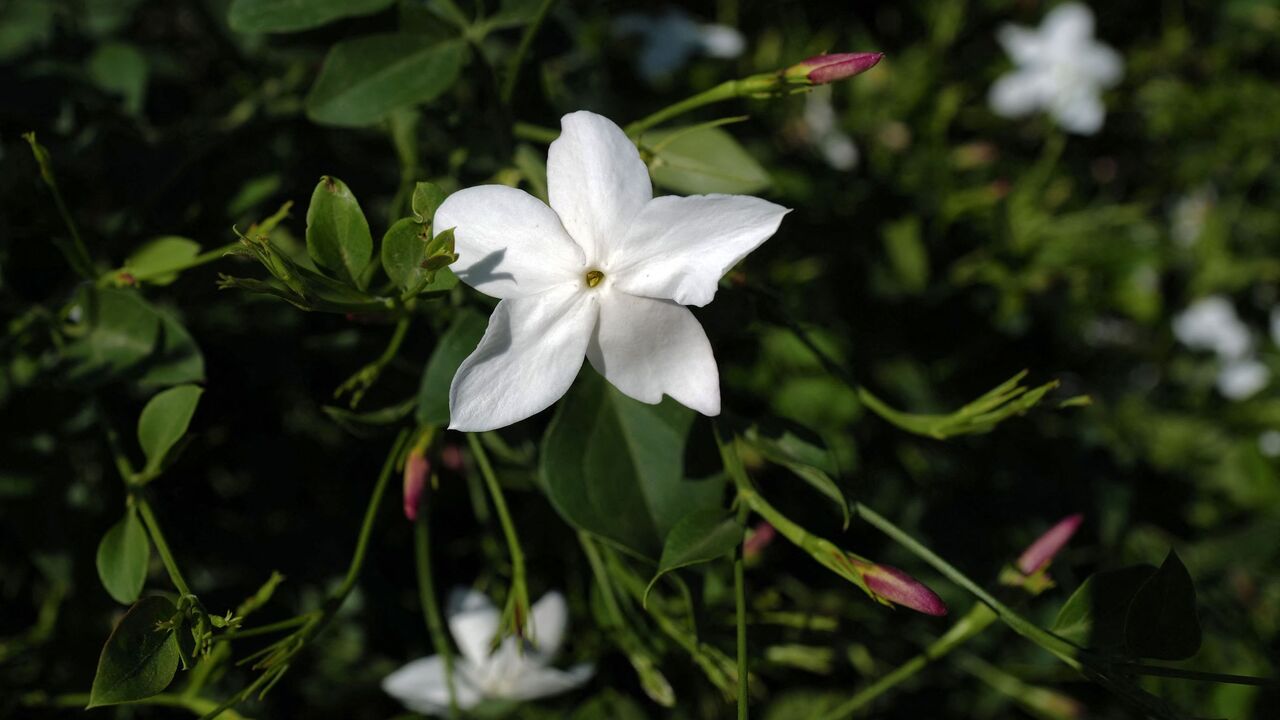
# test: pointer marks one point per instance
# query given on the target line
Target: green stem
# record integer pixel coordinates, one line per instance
(161, 545)
(1063, 650)
(195, 705)
(526, 40)
(534, 133)
(366, 528)
(364, 378)
(430, 606)
(978, 619)
(77, 254)
(518, 603)
(266, 629)
(740, 603)
(745, 87)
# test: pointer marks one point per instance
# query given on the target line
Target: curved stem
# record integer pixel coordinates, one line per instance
(518, 602)
(526, 40)
(745, 87)
(161, 545)
(430, 606)
(740, 602)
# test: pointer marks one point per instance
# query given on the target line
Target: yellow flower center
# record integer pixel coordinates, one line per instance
(594, 277)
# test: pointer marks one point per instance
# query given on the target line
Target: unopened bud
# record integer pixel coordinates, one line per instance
(1040, 553)
(823, 69)
(895, 586)
(416, 469)
(761, 535)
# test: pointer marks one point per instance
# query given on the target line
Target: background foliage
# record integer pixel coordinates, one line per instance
(961, 249)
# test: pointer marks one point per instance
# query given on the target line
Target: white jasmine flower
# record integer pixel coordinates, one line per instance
(508, 673)
(1269, 443)
(837, 148)
(1211, 324)
(1275, 325)
(670, 39)
(1189, 215)
(1060, 69)
(1242, 379)
(602, 273)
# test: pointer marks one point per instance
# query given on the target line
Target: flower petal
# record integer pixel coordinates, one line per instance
(550, 618)
(596, 182)
(1018, 93)
(536, 682)
(473, 621)
(526, 360)
(1024, 45)
(1079, 110)
(509, 243)
(1067, 27)
(420, 686)
(648, 348)
(678, 248)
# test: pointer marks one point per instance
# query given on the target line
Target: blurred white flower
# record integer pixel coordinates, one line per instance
(1061, 69)
(1211, 323)
(670, 39)
(820, 120)
(1189, 215)
(605, 273)
(1242, 379)
(1269, 443)
(1275, 325)
(508, 673)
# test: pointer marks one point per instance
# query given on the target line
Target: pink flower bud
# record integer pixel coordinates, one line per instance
(1040, 553)
(761, 535)
(823, 69)
(451, 457)
(890, 583)
(416, 469)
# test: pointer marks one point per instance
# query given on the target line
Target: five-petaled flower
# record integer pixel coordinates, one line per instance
(603, 273)
(510, 672)
(1061, 68)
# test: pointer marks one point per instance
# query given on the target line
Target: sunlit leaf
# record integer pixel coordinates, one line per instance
(140, 657)
(365, 78)
(123, 556)
(164, 421)
(259, 16)
(338, 238)
(158, 260)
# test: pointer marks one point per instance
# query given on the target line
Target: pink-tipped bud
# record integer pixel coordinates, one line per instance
(416, 469)
(823, 69)
(451, 457)
(891, 584)
(761, 535)
(1041, 552)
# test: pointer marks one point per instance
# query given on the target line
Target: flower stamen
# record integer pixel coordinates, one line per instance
(594, 277)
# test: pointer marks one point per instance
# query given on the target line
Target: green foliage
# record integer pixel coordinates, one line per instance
(454, 346)
(338, 238)
(699, 537)
(366, 78)
(281, 16)
(123, 557)
(1006, 400)
(164, 421)
(159, 261)
(599, 433)
(121, 335)
(141, 656)
(698, 160)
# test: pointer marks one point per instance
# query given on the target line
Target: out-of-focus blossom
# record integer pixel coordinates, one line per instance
(1061, 69)
(603, 274)
(1189, 215)
(1040, 553)
(1211, 323)
(823, 69)
(510, 672)
(1269, 443)
(824, 132)
(669, 40)
(1275, 325)
(1242, 379)
(416, 470)
(758, 539)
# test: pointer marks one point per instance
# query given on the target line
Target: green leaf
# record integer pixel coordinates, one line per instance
(459, 341)
(402, 252)
(338, 238)
(701, 536)
(427, 197)
(124, 336)
(120, 69)
(123, 556)
(158, 260)
(27, 24)
(372, 423)
(698, 160)
(1094, 615)
(265, 16)
(1162, 622)
(365, 78)
(1008, 399)
(140, 658)
(165, 420)
(533, 168)
(614, 466)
